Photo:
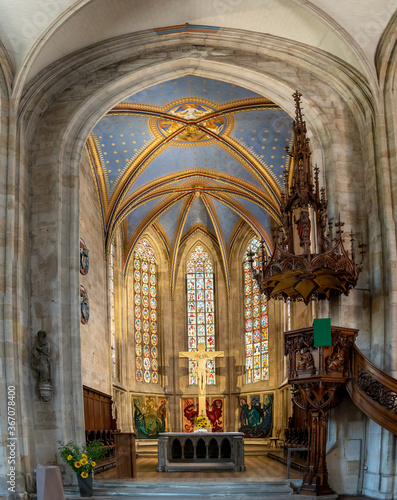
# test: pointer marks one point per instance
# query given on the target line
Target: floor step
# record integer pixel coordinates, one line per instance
(191, 490)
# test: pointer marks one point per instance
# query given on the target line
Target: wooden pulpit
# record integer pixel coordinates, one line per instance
(125, 454)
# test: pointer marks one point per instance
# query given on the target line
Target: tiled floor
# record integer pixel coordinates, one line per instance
(258, 468)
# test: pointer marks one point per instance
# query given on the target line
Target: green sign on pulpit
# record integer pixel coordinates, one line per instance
(322, 332)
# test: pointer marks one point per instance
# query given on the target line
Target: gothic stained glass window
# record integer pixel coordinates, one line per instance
(112, 313)
(256, 322)
(200, 309)
(145, 313)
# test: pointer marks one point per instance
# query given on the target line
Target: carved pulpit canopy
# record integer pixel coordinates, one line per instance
(308, 261)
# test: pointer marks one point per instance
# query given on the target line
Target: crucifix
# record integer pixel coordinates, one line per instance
(201, 356)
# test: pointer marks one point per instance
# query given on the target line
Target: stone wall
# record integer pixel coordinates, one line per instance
(95, 352)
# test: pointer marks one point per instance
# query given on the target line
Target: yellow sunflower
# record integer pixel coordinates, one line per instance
(83, 461)
(77, 465)
(84, 474)
(93, 464)
(84, 456)
(70, 457)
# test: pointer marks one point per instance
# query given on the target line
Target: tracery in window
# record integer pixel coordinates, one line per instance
(256, 322)
(201, 310)
(145, 313)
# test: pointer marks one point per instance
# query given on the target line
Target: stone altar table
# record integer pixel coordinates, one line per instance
(200, 451)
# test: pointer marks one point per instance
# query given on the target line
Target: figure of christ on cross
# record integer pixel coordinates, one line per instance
(201, 356)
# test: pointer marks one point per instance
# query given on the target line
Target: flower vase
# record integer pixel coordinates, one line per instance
(85, 485)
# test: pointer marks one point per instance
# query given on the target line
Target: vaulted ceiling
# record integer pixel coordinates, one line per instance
(35, 33)
(190, 154)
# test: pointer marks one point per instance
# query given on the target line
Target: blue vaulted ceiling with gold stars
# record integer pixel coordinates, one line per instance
(190, 154)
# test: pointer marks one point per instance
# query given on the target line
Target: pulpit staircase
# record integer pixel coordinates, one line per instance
(373, 391)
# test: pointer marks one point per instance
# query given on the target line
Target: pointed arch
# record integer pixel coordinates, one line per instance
(200, 308)
(256, 321)
(145, 313)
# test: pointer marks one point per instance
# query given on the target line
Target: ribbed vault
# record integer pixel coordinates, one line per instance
(186, 154)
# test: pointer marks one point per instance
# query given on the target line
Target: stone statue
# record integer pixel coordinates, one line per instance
(41, 364)
(303, 226)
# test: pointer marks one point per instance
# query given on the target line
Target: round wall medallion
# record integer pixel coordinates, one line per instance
(84, 258)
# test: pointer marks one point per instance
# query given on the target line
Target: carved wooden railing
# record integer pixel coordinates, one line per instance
(373, 391)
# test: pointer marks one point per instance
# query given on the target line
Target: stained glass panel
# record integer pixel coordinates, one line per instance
(145, 313)
(256, 322)
(200, 306)
(112, 311)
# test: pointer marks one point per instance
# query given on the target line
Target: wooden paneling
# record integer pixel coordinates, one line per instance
(98, 411)
(125, 454)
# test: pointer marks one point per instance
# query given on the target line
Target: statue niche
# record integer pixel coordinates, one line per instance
(41, 365)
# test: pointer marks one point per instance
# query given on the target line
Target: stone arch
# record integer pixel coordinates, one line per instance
(66, 123)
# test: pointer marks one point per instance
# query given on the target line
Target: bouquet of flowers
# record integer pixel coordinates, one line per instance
(82, 459)
(201, 423)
